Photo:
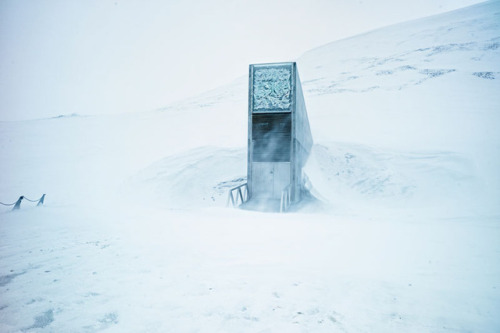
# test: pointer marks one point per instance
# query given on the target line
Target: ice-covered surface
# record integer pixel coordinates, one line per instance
(234, 271)
(135, 237)
(272, 88)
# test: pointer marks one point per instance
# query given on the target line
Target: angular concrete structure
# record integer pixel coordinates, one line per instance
(279, 136)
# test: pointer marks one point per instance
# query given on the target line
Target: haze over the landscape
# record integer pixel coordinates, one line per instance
(112, 56)
(400, 234)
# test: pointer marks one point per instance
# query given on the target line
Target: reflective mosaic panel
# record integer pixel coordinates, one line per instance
(272, 88)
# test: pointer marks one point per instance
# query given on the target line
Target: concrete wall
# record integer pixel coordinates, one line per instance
(302, 138)
(277, 150)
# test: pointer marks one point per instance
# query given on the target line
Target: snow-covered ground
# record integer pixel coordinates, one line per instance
(135, 237)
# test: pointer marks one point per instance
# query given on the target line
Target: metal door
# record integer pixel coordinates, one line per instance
(269, 179)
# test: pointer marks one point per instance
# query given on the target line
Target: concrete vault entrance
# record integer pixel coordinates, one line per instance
(279, 137)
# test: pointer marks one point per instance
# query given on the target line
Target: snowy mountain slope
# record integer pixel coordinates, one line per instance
(132, 237)
(398, 57)
(426, 88)
(425, 85)
(435, 75)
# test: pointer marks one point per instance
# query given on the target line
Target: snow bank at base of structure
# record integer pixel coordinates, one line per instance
(344, 177)
(353, 177)
(200, 177)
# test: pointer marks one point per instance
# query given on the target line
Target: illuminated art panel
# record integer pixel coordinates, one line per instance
(272, 88)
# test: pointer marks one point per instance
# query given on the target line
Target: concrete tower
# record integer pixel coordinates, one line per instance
(279, 136)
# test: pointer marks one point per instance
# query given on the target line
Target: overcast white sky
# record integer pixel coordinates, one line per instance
(110, 56)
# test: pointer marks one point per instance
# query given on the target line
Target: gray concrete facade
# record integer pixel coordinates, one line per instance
(279, 135)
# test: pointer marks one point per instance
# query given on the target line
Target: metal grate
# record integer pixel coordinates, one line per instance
(271, 137)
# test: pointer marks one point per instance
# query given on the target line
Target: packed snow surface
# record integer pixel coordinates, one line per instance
(402, 235)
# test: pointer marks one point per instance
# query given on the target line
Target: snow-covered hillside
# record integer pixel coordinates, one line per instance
(429, 87)
(422, 94)
(135, 236)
